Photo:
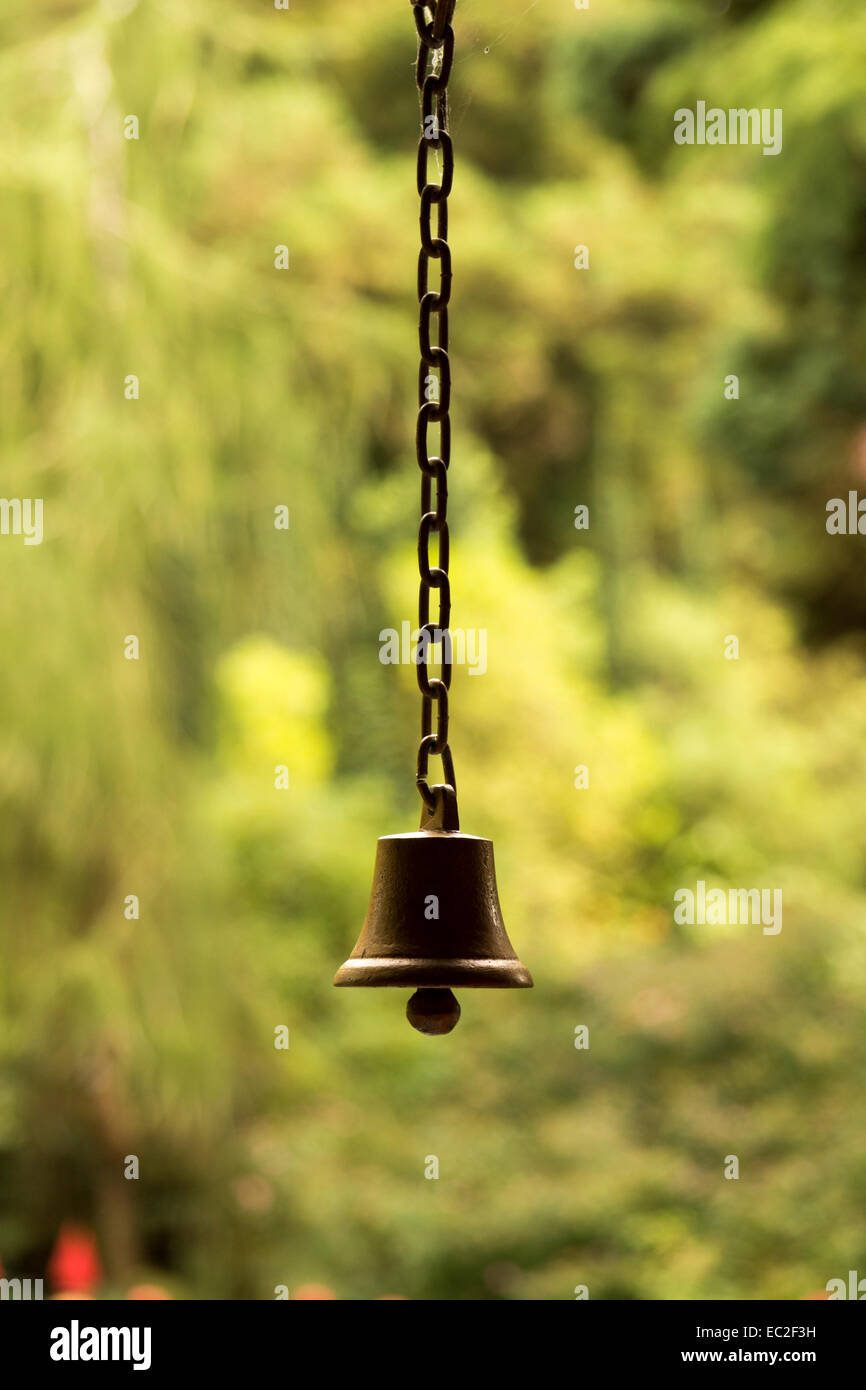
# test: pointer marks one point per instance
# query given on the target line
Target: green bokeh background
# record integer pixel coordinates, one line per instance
(258, 387)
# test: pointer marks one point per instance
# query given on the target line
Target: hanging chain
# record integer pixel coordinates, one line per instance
(435, 56)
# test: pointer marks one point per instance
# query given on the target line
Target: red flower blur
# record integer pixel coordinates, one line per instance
(74, 1266)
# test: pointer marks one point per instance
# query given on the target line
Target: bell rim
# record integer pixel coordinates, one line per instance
(406, 972)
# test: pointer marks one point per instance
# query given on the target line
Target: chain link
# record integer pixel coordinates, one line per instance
(435, 56)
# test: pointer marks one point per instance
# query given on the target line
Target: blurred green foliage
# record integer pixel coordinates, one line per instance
(259, 647)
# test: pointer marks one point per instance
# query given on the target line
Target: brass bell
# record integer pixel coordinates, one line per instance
(434, 921)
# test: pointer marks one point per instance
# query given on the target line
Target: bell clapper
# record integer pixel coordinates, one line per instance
(433, 1011)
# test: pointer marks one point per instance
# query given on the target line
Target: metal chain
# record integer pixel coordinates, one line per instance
(435, 56)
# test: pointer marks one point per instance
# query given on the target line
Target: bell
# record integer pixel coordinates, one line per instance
(434, 921)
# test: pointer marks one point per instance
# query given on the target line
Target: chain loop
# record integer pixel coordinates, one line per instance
(433, 35)
(435, 57)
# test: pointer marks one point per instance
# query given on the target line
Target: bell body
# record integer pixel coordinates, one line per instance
(434, 920)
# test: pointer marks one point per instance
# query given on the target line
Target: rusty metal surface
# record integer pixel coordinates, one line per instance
(433, 69)
(434, 918)
(431, 34)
